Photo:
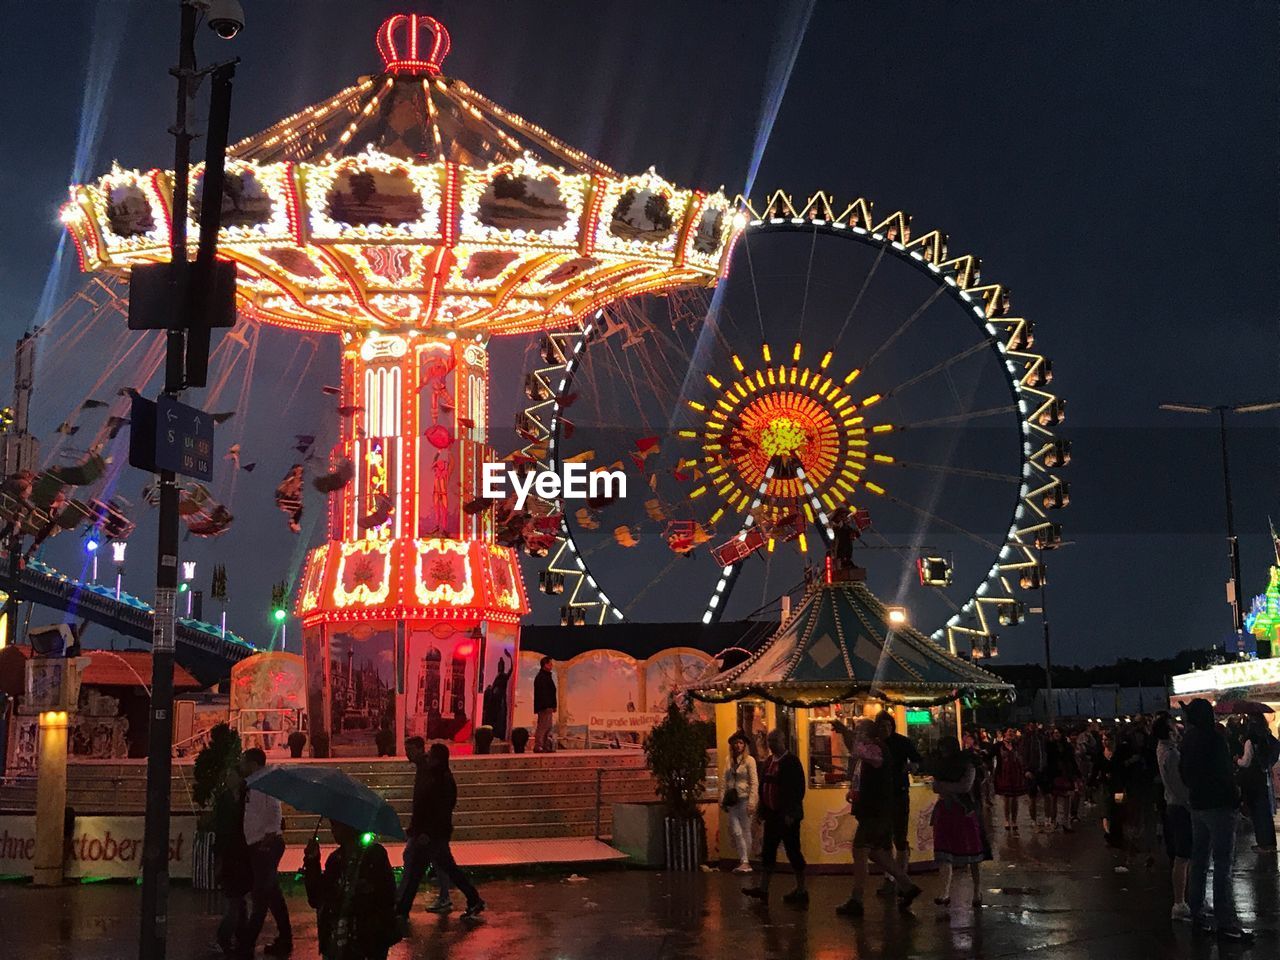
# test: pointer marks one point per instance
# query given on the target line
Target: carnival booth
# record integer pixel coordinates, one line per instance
(1255, 680)
(838, 657)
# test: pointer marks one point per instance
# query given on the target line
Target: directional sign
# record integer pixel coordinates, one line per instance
(168, 435)
(184, 439)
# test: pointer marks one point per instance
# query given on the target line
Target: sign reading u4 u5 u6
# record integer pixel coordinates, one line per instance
(168, 435)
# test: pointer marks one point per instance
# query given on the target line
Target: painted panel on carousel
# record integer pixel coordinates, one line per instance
(440, 680)
(498, 678)
(315, 656)
(361, 685)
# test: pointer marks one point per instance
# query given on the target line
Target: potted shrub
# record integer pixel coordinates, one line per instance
(519, 739)
(297, 742)
(675, 752)
(320, 745)
(216, 759)
(484, 738)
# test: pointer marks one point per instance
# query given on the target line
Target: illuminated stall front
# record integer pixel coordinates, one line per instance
(1257, 680)
(839, 658)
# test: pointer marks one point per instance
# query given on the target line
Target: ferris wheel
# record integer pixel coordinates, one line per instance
(851, 387)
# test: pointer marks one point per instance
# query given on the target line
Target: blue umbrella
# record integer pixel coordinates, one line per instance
(329, 793)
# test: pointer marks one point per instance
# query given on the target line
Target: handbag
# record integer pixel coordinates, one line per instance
(731, 798)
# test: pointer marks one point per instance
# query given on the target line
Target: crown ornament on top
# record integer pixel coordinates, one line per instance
(413, 44)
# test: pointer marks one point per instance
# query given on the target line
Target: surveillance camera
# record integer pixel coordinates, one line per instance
(226, 17)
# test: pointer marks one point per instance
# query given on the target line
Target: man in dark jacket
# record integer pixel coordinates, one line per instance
(902, 759)
(874, 803)
(781, 808)
(1207, 770)
(416, 853)
(441, 796)
(544, 706)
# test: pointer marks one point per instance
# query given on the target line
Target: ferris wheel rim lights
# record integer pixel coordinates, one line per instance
(987, 304)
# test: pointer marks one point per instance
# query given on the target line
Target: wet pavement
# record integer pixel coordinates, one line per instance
(1055, 896)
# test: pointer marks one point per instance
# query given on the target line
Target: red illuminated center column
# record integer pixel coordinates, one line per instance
(410, 612)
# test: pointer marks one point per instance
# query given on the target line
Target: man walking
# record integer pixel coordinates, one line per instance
(544, 706)
(901, 758)
(781, 808)
(873, 801)
(1206, 768)
(441, 796)
(416, 851)
(1031, 747)
(264, 836)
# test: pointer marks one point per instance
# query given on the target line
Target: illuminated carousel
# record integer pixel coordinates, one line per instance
(415, 218)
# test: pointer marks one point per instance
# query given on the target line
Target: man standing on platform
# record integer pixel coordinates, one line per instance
(264, 836)
(544, 706)
(781, 808)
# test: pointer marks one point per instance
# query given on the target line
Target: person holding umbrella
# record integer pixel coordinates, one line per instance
(354, 892)
(353, 895)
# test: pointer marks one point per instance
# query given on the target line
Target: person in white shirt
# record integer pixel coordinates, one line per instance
(264, 835)
(739, 790)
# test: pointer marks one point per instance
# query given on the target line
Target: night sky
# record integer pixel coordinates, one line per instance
(1114, 164)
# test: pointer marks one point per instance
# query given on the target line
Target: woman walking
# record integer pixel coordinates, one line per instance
(1177, 812)
(1256, 758)
(957, 834)
(1063, 779)
(739, 789)
(1010, 778)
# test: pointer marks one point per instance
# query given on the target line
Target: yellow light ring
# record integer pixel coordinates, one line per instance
(767, 413)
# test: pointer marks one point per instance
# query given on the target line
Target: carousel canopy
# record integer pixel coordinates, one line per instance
(408, 201)
(839, 645)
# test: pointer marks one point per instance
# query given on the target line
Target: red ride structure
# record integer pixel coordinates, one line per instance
(415, 218)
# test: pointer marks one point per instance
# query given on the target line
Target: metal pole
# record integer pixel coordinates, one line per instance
(155, 844)
(1044, 618)
(1233, 545)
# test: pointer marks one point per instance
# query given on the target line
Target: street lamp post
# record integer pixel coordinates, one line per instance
(188, 575)
(91, 545)
(117, 557)
(1233, 543)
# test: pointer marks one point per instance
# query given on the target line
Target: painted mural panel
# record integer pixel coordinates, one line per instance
(668, 673)
(440, 683)
(361, 686)
(600, 681)
(497, 681)
(314, 656)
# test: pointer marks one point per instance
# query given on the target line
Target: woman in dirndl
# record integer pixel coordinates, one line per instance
(957, 833)
(1010, 777)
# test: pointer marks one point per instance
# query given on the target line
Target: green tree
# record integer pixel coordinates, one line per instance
(675, 752)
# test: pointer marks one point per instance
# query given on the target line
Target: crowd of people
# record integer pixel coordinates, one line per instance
(361, 912)
(1187, 782)
(1151, 778)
